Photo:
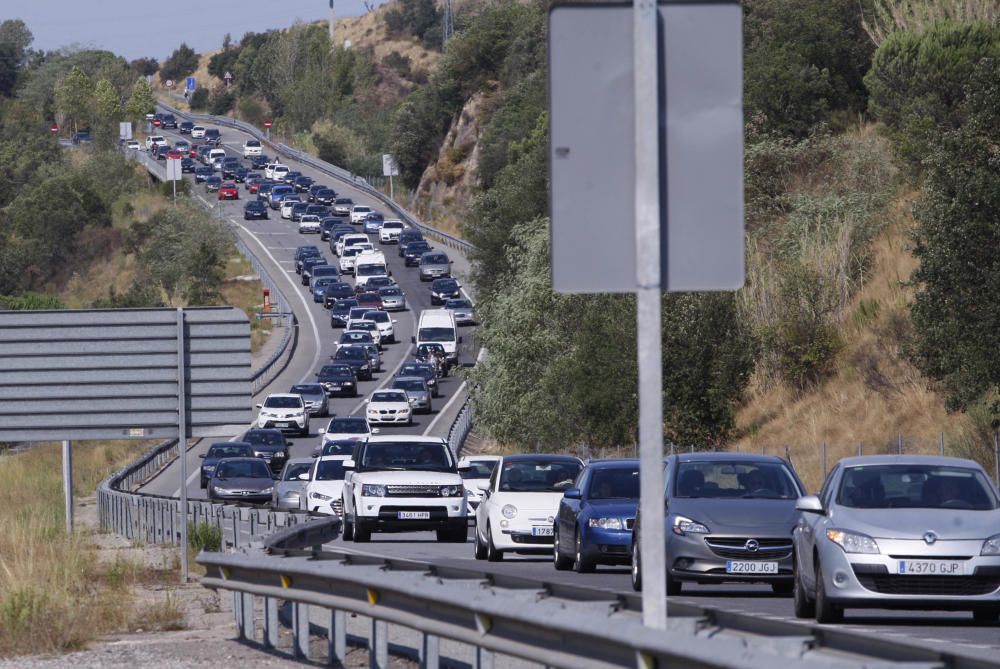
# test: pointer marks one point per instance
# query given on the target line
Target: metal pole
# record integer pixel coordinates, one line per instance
(941, 443)
(182, 441)
(648, 294)
(333, 42)
(824, 460)
(996, 459)
(391, 191)
(861, 448)
(67, 458)
(899, 444)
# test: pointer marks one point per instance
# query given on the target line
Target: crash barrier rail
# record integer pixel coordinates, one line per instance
(543, 622)
(329, 169)
(461, 428)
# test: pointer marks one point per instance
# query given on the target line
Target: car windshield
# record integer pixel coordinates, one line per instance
(447, 285)
(715, 479)
(348, 426)
(417, 370)
(330, 470)
(324, 282)
(339, 447)
(389, 292)
(457, 304)
(264, 437)
(374, 269)
(307, 390)
(283, 403)
(434, 260)
(392, 225)
(353, 337)
(541, 475)
(479, 469)
(417, 247)
(915, 487)
(389, 396)
(412, 385)
(335, 370)
(407, 455)
(351, 354)
(296, 469)
(244, 469)
(614, 483)
(229, 451)
(436, 334)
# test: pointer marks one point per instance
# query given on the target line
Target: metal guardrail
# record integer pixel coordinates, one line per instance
(461, 428)
(331, 170)
(532, 619)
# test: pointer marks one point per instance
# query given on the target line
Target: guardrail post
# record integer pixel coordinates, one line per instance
(238, 612)
(270, 622)
(430, 652)
(236, 527)
(336, 636)
(484, 659)
(378, 645)
(247, 630)
(300, 630)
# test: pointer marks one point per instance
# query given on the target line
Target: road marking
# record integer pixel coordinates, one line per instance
(445, 408)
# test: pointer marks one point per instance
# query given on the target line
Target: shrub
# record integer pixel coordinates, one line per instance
(181, 63)
(199, 99)
(222, 102)
(205, 537)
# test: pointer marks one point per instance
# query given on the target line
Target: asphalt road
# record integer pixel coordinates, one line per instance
(274, 242)
(277, 239)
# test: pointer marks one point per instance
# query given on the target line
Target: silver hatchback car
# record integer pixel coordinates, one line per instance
(899, 532)
(434, 265)
(729, 518)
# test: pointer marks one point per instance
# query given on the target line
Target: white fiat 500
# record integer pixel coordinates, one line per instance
(325, 490)
(520, 502)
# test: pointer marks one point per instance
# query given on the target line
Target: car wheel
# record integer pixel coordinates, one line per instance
(782, 588)
(362, 534)
(803, 605)
(204, 483)
(492, 554)
(582, 564)
(636, 568)
(409, 422)
(480, 550)
(559, 561)
(673, 585)
(826, 611)
(348, 530)
(989, 615)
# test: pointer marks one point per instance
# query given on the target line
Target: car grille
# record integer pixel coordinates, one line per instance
(614, 550)
(952, 586)
(387, 411)
(735, 548)
(265, 455)
(413, 491)
(529, 539)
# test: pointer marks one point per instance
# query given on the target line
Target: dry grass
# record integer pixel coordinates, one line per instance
(369, 31)
(54, 594)
(160, 615)
(890, 16)
(246, 293)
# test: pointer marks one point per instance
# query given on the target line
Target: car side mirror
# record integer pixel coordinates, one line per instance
(322, 430)
(315, 453)
(573, 493)
(202, 456)
(375, 430)
(259, 406)
(483, 487)
(459, 340)
(809, 504)
(464, 467)
(348, 464)
(413, 340)
(304, 476)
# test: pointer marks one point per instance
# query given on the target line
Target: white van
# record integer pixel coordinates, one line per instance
(437, 326)
(350, 240)
(252, 147)
(367, 265)
(154, 139)
(216, 154)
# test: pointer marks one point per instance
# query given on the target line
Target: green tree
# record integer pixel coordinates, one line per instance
(199, 99)
(107, 103)
(141, 102)
(74, 97)
(181, 63)
(145, 66)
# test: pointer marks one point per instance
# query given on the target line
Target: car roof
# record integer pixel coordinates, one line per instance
(939, 460)
(327, 458)
(716, 456)
(279, 395)
(242, 458)
(411, 438)
(612, 463)
(299, 461)
(231, 443)
(537, 456)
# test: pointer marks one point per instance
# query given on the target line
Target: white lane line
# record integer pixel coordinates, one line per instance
(395, 371)
(443, 410)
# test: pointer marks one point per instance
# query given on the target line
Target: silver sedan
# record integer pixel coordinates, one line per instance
(900, 532)
(290, 488)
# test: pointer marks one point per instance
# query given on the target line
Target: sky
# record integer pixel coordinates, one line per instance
(140, 28)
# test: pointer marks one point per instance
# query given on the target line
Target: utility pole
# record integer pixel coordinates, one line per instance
(333, 43)
(448, 27)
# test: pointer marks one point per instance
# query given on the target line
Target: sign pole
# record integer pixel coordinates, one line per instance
(182, 441)
(391, 192)
(67, 461)
(648, 294)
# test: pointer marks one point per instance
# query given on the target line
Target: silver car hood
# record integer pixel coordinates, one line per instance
(724, 516)
(948, 524)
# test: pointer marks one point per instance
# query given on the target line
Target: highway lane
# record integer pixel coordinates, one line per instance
(274, 242)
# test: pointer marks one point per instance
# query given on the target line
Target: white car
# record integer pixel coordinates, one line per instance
(404, 484)
(359, 213)
(518, 512)
(287, 203)
(480, 468)
(348, 256)
(349, 240)
(284, 411)
(345, 427)
(275, 171)
(198, 132)
(133, 145)
(153, 140)
(252, 147)
(385, 324)
(309, 223)
(325, 490)
(389, 232)
(389, 407)
(369, 326)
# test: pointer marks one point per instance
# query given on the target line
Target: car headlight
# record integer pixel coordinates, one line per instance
(451, 491)
(372, 490)
(991, 546)
(208, 468)
(606, 523)
(320, 496)
(267, 491)
(852, 542)
(683, 525)
(509, 511)
(223, 491)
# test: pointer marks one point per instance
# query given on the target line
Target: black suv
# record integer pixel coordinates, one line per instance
(254, 209)
(213, 136)
(302, 184)
(168, 121)
(301, 252)
(338, 380)
(185, 128)
(268, 444)
(411, 256)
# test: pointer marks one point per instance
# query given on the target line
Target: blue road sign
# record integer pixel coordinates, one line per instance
(190, 83)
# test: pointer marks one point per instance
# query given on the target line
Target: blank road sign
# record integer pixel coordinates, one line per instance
(592, 149)
(113, 373)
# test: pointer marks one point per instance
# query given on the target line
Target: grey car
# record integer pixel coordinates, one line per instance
(290, 488)
(241, 480)
(899, 532)
(314, 396)
(465, 313)
(729, 518)
(393, 298)
(417, 391)
(433, 265)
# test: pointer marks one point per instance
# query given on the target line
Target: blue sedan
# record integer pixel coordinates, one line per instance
(594, 522)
